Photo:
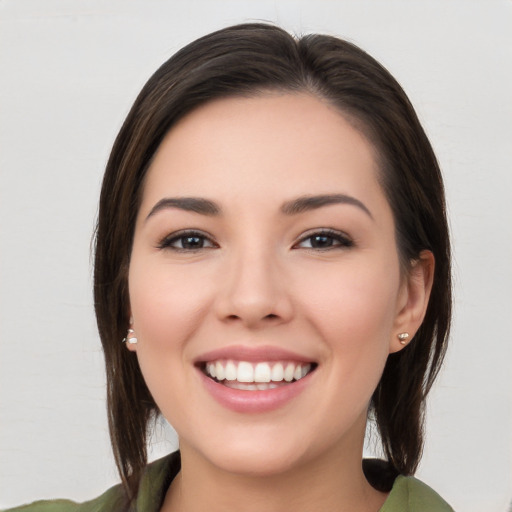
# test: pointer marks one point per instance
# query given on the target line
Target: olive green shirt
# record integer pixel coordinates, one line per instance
(407, 495)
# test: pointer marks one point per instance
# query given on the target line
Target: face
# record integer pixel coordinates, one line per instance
(264, 282)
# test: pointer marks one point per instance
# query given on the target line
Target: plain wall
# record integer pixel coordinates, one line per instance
(69, 71)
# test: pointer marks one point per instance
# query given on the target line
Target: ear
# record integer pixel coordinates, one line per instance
(413, 300)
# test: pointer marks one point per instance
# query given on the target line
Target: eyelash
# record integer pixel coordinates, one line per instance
(167, 242)
(343, 241)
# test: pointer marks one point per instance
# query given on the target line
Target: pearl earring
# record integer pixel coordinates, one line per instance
(402, 337)
(130, 337)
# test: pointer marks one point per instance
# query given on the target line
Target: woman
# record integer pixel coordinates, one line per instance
(272, 249)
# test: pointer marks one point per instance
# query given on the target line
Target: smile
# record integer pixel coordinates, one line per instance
(255, 379)
(256, 376)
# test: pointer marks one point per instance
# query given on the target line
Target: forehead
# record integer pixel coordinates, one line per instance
(273, 145)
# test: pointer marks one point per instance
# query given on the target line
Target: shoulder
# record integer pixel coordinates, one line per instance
(108, 501)
(411, 495)
(153, 486)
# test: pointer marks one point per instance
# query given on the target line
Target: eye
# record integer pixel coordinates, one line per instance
(324, 239)
(187, 241)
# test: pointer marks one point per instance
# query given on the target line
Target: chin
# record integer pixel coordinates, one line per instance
(251, 454)
(258, 462)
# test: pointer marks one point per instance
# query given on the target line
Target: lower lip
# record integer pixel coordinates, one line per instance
(259, 401)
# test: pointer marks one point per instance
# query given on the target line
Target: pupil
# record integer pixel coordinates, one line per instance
(321, 241)
(192, 242)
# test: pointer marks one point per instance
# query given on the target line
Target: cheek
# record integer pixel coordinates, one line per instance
(354, 310)
(166, 308)
(165, 305)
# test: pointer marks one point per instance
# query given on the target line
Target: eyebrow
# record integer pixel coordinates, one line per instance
(188, 204)
(302, 204)
(306, 203)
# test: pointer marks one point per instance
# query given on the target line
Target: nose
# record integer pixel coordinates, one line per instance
(255, 291)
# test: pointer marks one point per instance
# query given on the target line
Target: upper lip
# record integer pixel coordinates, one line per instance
(252, 354)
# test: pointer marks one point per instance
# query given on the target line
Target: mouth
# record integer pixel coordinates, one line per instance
(255, 376)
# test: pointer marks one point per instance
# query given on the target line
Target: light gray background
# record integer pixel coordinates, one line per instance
(69, 71)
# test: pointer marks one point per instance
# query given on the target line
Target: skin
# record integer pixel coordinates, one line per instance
(257, 281)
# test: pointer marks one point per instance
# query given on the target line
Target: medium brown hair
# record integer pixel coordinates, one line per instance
(246, 60)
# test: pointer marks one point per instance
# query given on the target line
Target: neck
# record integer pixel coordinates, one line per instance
(332, 482)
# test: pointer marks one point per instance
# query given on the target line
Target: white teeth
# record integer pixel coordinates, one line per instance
(262, 386)
(230, 371)
(288, 372)
(219, 371)
(277, 374)
(210, 368)
(245, 372)
(262, 372)
(251, 376)
(242, 385)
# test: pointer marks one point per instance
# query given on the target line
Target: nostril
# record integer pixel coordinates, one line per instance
(270, 316)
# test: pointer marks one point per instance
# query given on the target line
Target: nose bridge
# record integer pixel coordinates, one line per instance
(254, 289)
